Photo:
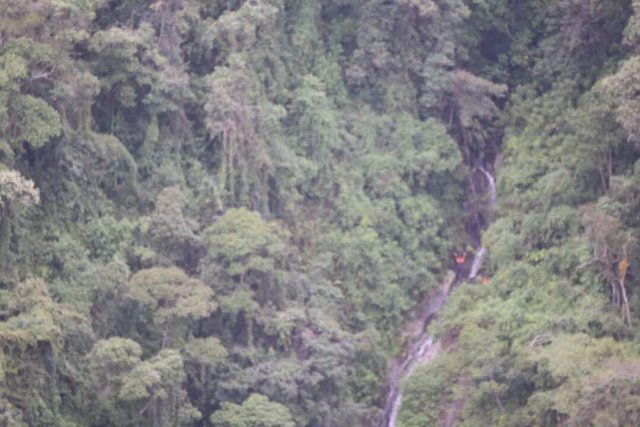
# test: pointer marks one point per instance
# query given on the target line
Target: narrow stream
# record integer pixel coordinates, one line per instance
(421, 347)
(477, 262)
(490, 195)
(491, 187)
(418, 349)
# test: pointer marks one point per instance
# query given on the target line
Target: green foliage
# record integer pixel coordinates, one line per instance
(107, 237)
(113, 357)
(170, 232)
(250, 251)
(622, 87)
(16, 190)
(586, 388)
(424, 393)
(256, 411)
(540, 343)
(170, 295)
(206, 351)
(44, 340)
(243, 133)
(152, 376)
(472, 96)
(36, 122)
(314, 164)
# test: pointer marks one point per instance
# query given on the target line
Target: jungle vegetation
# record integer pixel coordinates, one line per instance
(221, 212)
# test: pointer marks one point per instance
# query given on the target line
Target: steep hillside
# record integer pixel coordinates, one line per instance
(223, 212)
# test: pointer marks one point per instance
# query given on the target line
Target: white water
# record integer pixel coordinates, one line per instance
(425, 346)
(422, 343)
(477, 262)
(491, 183)
(393, 417)
(407, 367)
(395, 396)
(491, 201)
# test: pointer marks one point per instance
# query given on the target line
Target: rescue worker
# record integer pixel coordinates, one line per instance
(460, 258)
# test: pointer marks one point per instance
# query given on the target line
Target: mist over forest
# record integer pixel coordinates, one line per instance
(319, 213)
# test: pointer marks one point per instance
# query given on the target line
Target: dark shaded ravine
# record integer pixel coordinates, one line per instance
(421, 347)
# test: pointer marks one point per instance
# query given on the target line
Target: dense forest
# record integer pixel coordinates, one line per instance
(225, 212)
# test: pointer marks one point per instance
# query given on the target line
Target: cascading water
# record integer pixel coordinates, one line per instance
(421, 344)
(491, 195)
(394, 409)
(477, 262)
(491, 187)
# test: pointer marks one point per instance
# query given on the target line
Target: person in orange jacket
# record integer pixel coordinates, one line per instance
(460, 257)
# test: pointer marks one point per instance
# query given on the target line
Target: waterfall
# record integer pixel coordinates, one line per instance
(418, 351)
(477, 262)
(425, 346)
(394, 410)
(394, 398)
(491, 190)
(491, 201)
(421, 342)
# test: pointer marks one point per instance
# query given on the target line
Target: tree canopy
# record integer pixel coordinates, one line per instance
(228, 212)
